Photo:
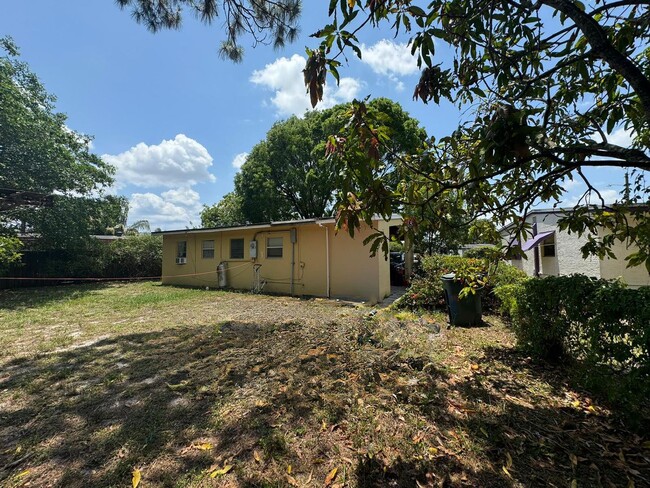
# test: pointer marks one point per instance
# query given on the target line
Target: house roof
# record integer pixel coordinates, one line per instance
(263, 225)
(561, 210)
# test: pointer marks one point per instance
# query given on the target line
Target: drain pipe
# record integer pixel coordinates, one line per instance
(293, 237)
(327, 258)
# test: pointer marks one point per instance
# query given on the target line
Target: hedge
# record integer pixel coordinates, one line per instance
(600, 324)
(131, 256)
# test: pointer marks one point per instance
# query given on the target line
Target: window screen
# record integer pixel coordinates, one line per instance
(274, 247)
(181, 249)
(208, 249)
(236, 248)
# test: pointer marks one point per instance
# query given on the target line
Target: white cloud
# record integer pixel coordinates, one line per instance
(178, 162)
(285, 78)
(622, 137)
(386, 57)
(239, 160)
(609, 195)
(174, 209)
(390, 59)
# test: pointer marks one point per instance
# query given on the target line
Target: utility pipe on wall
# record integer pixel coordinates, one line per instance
(535, 250)
(293, 237)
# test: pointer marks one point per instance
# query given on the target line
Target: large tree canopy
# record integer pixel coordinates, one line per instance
(289, 175)
(40, 154)
(266, 21)
(228, 211)
(546, 82)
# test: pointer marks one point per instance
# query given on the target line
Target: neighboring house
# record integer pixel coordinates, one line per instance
(552, 252)
(301, 258)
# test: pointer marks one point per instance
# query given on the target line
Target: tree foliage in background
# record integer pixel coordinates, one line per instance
(9, 250)
(228, 211)
(266, 21)
(39, 153)
(543, 84)
(289, 175)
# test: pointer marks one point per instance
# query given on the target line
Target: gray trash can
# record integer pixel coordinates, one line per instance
(465, 311)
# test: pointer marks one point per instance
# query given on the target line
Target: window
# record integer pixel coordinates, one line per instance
(274, 247)
(208, 249)
(548, 247)
(181, 249)
(236, 248)
(548, 250)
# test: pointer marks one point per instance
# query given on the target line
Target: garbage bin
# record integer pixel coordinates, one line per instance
(465, 311)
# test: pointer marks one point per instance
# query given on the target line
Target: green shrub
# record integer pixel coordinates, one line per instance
(599, 324)
(504, 282)
(9, 251)
(426, 291)
(490, 253)
(505, 297)
(129, 257)
(133, 256)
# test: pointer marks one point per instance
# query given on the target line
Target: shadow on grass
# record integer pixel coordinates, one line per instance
(263, 397)
(26, 298)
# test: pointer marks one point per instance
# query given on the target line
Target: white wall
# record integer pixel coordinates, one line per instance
(568, 257)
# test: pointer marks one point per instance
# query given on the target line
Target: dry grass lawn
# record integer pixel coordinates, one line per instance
(197, 388)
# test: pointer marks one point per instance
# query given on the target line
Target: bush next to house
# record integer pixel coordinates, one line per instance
(130, 257)
(496, 282)
(133, 256)
(600, 324)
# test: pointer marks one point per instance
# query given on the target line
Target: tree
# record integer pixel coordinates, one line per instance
(260, 202)
(547, 83)
(9, 250)
(266, 21)
(227, 212)
(289, 174)
(40, 155)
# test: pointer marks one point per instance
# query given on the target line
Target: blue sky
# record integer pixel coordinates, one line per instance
(172, 116)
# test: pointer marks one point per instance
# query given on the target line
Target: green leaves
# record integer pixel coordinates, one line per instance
(538, 102)
(9, 250)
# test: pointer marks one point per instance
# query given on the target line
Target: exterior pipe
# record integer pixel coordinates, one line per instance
(535, 250)
(293, 261)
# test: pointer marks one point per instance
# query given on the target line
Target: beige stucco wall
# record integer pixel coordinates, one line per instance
(617, 268)
(353, 273)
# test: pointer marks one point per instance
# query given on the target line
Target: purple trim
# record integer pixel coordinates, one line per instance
(534, 241)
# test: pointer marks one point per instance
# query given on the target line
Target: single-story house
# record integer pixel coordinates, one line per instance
(300, 257)
(552, 252)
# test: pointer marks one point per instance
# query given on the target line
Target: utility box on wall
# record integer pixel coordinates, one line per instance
(252, 249)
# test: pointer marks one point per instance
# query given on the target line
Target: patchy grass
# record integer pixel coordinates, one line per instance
(96, 381)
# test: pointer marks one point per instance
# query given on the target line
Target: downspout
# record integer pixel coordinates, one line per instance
(292, 238)
(327, 259)
(535, 249)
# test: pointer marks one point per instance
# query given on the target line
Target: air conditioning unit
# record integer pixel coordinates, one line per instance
(181, 260)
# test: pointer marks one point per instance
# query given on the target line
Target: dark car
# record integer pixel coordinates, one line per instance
(397, 277)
